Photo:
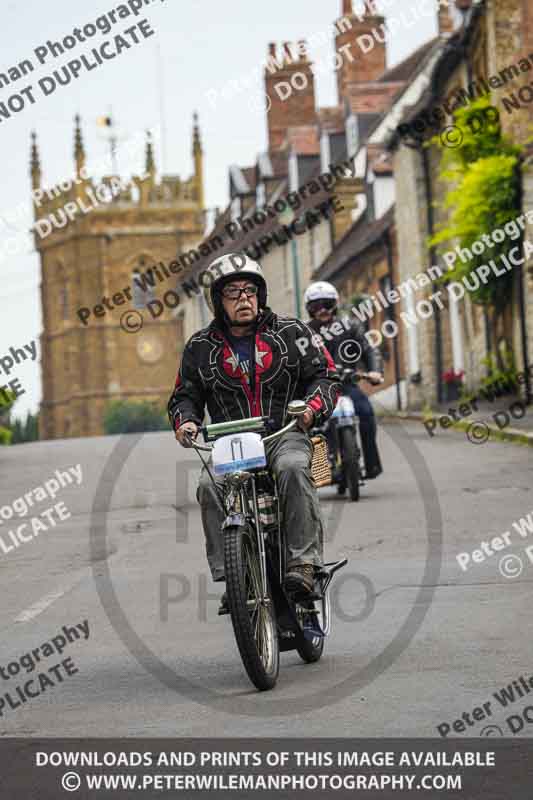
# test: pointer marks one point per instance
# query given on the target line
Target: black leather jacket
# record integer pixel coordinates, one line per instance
(345, 340)
(288, 364)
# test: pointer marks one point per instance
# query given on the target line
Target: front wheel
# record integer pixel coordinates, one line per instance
(311, 650)
(253, 617)
(350, 460)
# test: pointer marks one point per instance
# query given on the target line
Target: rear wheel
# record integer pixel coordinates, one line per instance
(253, 619)
(350, 460)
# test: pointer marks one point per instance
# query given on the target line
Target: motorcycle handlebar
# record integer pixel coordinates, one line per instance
(270, 438)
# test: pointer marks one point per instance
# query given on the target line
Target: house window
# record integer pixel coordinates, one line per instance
(325, 152)
(260, 195)
(385, 285)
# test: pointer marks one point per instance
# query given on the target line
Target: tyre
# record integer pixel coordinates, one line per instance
(311, 650)
(350, 460)
(254, 623)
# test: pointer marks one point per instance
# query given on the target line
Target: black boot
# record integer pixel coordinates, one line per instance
(300, 579)
(223, 607)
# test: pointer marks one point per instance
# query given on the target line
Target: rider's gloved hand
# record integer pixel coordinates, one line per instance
(375, 377)
(187, 432)
(306, 420)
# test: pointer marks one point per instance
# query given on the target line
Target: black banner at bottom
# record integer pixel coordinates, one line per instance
(52, 769)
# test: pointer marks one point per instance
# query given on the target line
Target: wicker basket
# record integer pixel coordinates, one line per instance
(320, 466)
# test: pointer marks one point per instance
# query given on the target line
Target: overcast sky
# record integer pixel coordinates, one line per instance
(199, 46)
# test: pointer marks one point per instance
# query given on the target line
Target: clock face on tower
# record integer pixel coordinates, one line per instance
(149, 348)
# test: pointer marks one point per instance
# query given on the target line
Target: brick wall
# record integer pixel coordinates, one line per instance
(294, 81)
(364, 66)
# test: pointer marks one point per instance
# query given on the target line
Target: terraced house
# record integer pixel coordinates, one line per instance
(389, 196)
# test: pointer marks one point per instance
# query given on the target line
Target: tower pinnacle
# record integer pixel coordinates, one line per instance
(35, 165)
(198, 160)
(150, 161)
(79, 151)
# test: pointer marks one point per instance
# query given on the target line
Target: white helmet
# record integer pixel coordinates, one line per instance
(321, 290)
(227, 268)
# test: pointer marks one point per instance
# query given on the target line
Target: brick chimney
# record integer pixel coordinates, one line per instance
(451, 17)
(290, 88)
(365, 66)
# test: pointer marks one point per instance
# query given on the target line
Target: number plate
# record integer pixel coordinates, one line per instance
(344, 407)
(241, 451)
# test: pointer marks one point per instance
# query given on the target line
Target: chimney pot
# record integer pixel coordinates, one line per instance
(272, 48)
(347, 8)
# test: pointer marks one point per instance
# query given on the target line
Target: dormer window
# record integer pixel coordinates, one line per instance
(352, 135)
(325, 152)
(293, 172)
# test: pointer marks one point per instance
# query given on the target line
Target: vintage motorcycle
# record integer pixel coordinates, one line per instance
(342, 433)
(266, 619)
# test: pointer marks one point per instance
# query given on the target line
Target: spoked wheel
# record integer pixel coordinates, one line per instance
(254, 620)
(350, 460)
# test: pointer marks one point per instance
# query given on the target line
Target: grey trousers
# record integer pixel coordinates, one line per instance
(289, 457)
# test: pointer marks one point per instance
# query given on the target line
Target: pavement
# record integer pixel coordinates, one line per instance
(506, 419)
(417, 642)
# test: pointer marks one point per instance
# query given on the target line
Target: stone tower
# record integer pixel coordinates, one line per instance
(97, 242)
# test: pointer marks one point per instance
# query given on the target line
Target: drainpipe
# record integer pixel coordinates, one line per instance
(486, 320)
(296, 279)
(522, 300)
(433, 257)
(396, 352)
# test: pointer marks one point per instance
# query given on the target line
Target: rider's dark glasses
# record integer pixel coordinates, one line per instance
(234, 292)
(316, 305)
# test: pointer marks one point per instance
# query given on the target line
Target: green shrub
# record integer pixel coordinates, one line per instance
(5, 436)
(25, 430)
(483, 174)
(499, 378)
(127, 416)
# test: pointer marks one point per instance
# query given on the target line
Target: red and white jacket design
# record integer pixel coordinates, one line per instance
(288, 364)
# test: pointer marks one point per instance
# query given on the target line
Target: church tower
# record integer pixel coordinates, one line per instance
(108, 333)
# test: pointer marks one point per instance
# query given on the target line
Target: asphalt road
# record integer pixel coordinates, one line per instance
(416, 641)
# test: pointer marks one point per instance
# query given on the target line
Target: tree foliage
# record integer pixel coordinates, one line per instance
(484, 194)
(26, 430)
(16, 431)
(126, 416)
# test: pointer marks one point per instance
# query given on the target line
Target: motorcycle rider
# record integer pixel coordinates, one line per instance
(344, 339)
(246, 364)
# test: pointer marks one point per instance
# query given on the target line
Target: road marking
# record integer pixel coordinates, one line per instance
(45, 602)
